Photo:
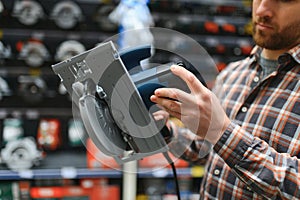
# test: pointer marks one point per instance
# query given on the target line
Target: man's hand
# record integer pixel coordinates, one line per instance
(200, 111)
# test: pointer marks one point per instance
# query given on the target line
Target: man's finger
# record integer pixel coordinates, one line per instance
(172, 94)
(168, 104)
(191, 80)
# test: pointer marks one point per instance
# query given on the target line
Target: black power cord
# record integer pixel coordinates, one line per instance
(174, 172)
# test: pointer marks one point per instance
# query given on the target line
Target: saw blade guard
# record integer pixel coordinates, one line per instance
(109, 104)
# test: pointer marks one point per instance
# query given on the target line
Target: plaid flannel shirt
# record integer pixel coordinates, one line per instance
(258, 155)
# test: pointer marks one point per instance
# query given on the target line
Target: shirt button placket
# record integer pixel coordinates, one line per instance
(256, 79)
(244, 109)
(216, 172)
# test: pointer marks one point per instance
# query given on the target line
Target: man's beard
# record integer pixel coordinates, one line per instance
(287, 38)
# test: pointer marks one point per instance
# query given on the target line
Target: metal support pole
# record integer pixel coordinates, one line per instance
(129, 180)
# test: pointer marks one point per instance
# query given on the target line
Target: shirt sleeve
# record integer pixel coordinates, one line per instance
(261, 167)
(189, 147)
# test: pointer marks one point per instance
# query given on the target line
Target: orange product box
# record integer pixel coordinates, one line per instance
(92, 182)
(104, 192)
(46, 192)
(111, 192)
(158, 160)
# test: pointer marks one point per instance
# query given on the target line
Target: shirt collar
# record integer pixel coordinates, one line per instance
(255, 53)
(293, 52)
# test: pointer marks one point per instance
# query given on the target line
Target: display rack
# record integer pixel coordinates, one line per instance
(78, 173)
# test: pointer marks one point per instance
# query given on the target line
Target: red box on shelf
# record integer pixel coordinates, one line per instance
(158, 161)
(103, 192)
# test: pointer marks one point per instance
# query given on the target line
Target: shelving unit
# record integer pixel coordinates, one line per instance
(63, 173)
(28, 48)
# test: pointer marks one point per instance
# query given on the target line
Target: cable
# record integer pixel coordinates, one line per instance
(174, 172)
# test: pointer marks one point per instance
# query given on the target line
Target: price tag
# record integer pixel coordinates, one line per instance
(68, 172)
(26, 174)
(160, 172)
(32, 114)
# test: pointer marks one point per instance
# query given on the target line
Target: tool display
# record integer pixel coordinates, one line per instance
(21, 154)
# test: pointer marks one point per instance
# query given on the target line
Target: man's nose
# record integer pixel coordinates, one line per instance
(264, 8)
